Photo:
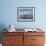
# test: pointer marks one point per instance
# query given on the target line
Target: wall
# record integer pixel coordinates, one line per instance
(9, 13)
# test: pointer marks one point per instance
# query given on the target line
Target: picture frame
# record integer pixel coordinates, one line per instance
(26, 14)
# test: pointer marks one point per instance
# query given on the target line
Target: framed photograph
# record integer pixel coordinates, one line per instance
(26, 14)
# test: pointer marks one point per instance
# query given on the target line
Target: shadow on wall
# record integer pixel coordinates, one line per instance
(2, 26)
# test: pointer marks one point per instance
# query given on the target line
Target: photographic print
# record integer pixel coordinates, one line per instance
(26, 14)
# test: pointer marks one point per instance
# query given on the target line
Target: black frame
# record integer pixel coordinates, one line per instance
(25, 9)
